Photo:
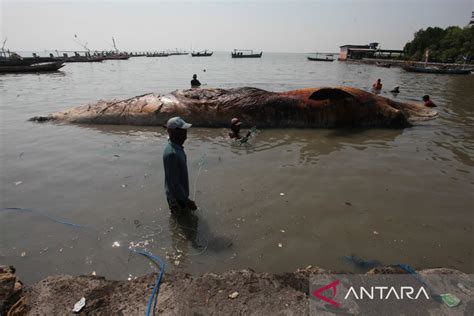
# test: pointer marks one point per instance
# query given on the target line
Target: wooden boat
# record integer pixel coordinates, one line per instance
(245, 53)
(83, 59)
(157, 55)
(204, 53)
(177, 53)
(321, 57)
(17, 60)
(384, 65)
(432, 70)
(116, 57)
(41, 67)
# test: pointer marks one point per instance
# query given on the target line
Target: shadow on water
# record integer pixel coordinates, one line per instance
(191, 236)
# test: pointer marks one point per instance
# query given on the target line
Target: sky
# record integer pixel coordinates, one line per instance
(222, 25)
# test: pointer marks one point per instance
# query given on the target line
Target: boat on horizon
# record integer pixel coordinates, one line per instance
(322, 57)
(176, 52)
(156, 54)
(435, 70)
(245, 53)
(203, 53)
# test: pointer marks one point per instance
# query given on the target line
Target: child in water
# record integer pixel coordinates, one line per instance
(428, 102)
(235, 131)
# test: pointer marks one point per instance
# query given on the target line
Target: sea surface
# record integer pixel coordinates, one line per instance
(290, 198)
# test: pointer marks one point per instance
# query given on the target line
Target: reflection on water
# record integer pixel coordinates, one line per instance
(319, 193)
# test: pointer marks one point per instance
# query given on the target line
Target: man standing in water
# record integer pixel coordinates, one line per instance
(195, 82)
(176, 169)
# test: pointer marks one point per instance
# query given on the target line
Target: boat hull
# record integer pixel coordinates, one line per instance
(42, 67)
(437, 71)
(319, 59)
(247, 55)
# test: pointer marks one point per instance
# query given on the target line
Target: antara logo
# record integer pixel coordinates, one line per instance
(371, 293)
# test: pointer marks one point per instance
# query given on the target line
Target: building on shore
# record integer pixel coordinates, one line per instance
(471, 23)
(367, 51)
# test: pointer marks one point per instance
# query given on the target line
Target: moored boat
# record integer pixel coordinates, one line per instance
(204, 53)
(321, 57)
(157, 54)
(40, 67)
(245, 53)
(433, 70)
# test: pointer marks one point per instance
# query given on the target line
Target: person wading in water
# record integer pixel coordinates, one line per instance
(176, 169)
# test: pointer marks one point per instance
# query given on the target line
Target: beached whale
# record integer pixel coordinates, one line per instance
(304, 108)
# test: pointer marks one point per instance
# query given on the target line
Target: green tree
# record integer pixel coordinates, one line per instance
(446, 45)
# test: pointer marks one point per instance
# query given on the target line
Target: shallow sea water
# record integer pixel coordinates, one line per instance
(394, 195)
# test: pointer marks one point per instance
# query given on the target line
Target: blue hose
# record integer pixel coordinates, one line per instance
(154, 295)
(51, 218)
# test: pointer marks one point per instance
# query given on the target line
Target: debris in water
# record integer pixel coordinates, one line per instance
(282, 230)
(234, 295)
(280, 245)
(176, 262)
(23, 254)
(375, 232)
(61, 250)
(116, 155)
(17, 183)
(124, 185)
(115, 244)
(79, 305)
(94, 273)
(282, 194)
(348, 203)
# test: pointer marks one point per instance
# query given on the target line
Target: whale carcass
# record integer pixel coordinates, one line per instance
(304, 108)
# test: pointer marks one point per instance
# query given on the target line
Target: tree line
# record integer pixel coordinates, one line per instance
(453, 44)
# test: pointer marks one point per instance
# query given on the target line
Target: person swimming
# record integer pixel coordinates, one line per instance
(377, 85)
(234, 133)
(428, 102)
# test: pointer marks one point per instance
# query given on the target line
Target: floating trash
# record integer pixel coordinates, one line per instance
(124, 185)
(115, 244)
(234, 295)
(23, 254)
(17, 183)
(282, 230)
(94, 273)
(282, 194)
(79, 305)
(375, 232)
(280, 245)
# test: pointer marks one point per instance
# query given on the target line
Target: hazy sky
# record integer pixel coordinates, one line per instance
(271, 26)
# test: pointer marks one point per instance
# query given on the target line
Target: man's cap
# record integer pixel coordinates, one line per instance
(177, 122)
(426, 97)
(235, 121)
(194, 76)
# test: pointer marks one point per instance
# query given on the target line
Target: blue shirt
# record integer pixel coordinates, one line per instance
(176, 174)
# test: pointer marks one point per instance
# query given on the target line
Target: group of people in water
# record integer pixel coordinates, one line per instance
(377, 87)
(175, 160)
